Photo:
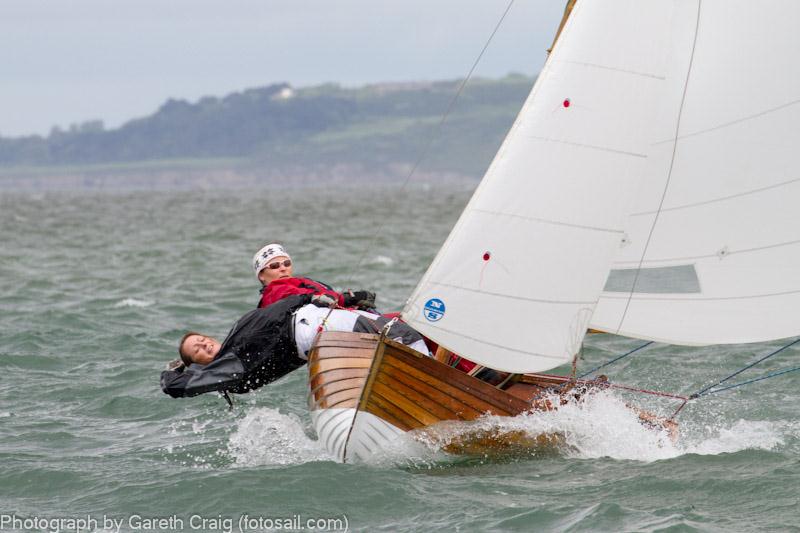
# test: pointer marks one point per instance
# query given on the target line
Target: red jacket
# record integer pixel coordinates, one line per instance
(283, 287)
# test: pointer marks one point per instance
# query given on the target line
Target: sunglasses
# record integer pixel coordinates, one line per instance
(277, 264)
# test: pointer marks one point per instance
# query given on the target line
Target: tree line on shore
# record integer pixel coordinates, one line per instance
(374, 125)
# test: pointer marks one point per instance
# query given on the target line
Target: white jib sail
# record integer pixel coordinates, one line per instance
(517, 280)
(712, 250)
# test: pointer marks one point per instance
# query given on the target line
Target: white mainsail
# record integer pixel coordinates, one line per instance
(712, 250)
(518, 278)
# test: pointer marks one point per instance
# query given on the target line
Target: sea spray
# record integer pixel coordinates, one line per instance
(267, 437)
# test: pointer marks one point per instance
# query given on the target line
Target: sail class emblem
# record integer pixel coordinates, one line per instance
(434, 309)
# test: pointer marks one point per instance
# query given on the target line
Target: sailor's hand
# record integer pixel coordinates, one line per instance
(323, 300)
(364, 300)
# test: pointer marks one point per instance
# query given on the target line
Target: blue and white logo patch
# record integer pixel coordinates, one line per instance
(434, 309)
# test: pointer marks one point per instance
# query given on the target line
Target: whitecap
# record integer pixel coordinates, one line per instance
(600, 426)
(133, 302)
(381, 260)
(743, 435)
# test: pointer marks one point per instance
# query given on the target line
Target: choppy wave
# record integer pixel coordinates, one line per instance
(133, 302)
(383, 260)
(86, 428)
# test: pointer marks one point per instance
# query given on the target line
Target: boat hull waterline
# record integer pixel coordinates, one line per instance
(365, 392)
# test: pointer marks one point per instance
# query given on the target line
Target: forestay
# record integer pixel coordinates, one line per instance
(712, 253)
(517, 280)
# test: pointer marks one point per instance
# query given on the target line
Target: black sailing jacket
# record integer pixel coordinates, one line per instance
(259, 349)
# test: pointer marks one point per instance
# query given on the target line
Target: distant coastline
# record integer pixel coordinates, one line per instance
(279, 136)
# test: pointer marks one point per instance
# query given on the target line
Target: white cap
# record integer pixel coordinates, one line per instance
(267, 254)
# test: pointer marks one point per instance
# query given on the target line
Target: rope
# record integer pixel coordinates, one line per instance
(579, 381)
(608, 384)
(435, 134)
(647, 391)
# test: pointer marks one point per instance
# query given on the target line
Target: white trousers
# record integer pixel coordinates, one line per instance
(308, 319)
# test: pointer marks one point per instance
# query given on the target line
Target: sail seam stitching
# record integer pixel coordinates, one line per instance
(709, 256)
(721, 198)
(590, 146)
(549, 221)
(510, 297)
(704, 299)
(615, 69)
(731, 123)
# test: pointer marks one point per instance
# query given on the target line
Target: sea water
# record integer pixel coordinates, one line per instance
(96, 288)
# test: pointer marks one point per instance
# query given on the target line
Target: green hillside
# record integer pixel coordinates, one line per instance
(279, 130)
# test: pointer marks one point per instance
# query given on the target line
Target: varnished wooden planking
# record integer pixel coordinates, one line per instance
(477, 403)
(459, 408)
(338, 367)
(475, 406)
(432, 405)
(325, 365)
(543, 380)
(336, 375)
(339, 400)
(402, 419)
(409, 391)
(360, 345)
(376, 363)
(336, 339)
(505, 403)
(409, 407)
(343, 351)
(353, 389)
(336, 386)
(384, 414)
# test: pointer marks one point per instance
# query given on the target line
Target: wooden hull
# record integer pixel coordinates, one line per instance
(364, 393)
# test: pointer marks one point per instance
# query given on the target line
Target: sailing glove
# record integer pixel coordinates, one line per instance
(364, 300)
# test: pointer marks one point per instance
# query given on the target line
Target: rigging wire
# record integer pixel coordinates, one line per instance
(595, 369)
(434, 136)
(707, 390)
(711, 388)
(771, 375)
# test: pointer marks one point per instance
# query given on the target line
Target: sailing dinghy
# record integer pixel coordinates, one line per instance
(648, 188)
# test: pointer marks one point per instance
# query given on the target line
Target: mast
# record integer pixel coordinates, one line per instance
(567, 13)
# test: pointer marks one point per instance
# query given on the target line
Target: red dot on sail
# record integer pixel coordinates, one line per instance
(566, 102)
(486, 256)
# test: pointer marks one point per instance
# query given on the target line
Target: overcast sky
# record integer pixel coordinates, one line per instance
(69, 61)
